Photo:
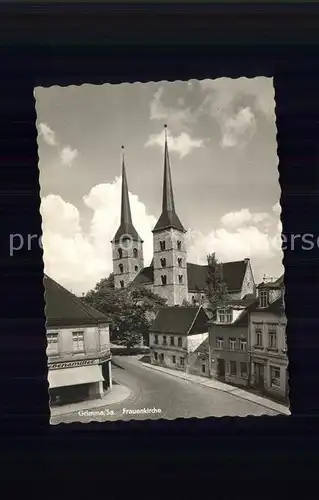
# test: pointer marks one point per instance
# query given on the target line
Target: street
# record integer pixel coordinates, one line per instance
(170, 396)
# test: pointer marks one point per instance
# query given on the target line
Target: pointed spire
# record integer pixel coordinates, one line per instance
(168, 218)
(126, 225)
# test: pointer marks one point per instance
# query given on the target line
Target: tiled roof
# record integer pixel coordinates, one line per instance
(65, 309)
(233, 275)
(180, 320)
(272, 284)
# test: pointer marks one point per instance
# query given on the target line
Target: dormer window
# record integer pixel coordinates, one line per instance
(135, 253)
(162, 245)
(120, 253)
(164, 279)
(225, 315)
(179, 260)
(180, 279)
(163, 262)
(121, 268)
(263, 298)
(179, 245)
(122, 283)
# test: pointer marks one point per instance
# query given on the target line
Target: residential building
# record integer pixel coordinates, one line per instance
(269, 359)
(78, 347)
(228, 337)
(169, 274)
(175, 334)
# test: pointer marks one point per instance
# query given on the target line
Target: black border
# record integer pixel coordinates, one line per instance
(45, 44)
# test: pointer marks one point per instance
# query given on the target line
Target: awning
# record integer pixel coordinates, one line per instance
(74, 376)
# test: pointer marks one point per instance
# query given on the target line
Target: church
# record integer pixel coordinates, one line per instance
(169, 274)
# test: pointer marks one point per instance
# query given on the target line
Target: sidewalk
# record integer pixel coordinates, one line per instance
(220, 386)
(117, 394)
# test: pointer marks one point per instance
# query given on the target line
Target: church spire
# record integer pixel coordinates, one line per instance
(168, 218)
(126, 226)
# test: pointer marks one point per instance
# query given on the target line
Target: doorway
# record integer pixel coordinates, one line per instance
(221, 368)
(259, 375)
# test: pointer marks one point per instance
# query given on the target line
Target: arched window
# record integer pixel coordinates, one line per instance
(179, 245)
(179, 260)
(164, 279)
(136, 268)
(122, 284)
(163, 262)
(180, 278)
(121, 268)
(162, 245)
(135, 252)
(120, 253)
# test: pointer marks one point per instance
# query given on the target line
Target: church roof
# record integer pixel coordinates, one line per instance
(126, 225)
(180, 320)
(233, 275)
(168, 218)
(63, 309)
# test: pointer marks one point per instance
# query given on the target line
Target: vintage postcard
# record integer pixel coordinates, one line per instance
(162, 241)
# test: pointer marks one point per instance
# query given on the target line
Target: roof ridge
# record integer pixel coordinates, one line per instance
(72, 296)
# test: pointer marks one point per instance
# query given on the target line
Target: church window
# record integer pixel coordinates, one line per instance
(135, 252)
(122, 283)
(136, 268)
(179, 245)
(120, 252)
(162, 245)
(121, 268)
(179, 260)
(163, 262)
(193, 300)
(180, 278)
(164, 279)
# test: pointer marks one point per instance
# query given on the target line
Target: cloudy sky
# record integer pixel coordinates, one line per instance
(223, 151)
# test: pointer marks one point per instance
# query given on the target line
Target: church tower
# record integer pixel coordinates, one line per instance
(170, 257)
(127, 246)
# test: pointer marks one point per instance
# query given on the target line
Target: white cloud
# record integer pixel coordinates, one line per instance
(238, 128)
(243, 216)
(277, 208)
(68, 155)
(47, 134)
(182, 144)
(78, 259)
(177, 117)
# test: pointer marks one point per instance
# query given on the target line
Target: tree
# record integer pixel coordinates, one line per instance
(131, 310)
(186, 303)
(216, 289)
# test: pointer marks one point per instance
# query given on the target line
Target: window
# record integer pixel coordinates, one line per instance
(243, 369)
(172, 341)
(162, 245)
(179, 260)
(136, 268)
(164, 279)
(179, 245)
(180, 279)
(233, 367)
(272, 340)
(53, 346)
(232, 344)
(135, 253)
(203, 368)
(221, 315)
(174, 359)
(78, 341)
(164, 340)
(181, 361)
(155, 356)
(155, 339)
(259, 336)
(180, 342)
(219, 343)
(122, 283)
(243, 345)
(229, 316)
(120, 253)
(163, 262)
(274, 376)
(263, 298)
(162, 358)
(193, 300)
(121, 268)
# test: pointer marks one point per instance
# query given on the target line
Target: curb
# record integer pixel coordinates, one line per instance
(232, 390)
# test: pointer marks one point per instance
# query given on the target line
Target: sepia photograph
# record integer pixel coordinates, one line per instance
(162, 247)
